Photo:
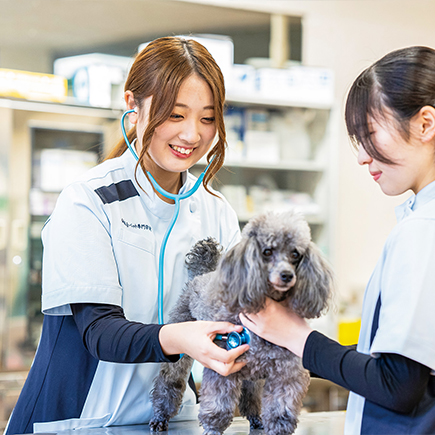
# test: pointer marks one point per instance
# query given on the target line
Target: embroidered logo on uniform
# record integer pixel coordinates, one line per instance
(138, 226)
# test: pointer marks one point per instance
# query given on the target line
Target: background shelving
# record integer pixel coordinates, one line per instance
(288, 167)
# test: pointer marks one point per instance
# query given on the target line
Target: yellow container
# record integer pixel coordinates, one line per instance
(348, 331)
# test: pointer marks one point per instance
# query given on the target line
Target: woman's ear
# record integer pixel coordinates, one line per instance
(426, 123)
(131, 104)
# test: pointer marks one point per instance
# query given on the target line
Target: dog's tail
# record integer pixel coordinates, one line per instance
(203, 257)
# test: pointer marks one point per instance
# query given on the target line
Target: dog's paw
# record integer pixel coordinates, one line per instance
(158, 425)
(203, 257)
(255, 422)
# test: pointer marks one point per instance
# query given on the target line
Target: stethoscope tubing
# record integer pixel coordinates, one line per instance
(176, 198)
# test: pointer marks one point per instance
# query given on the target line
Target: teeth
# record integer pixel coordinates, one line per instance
(182, 150)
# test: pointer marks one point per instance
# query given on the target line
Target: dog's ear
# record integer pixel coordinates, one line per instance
(313, 285)
(242, 276)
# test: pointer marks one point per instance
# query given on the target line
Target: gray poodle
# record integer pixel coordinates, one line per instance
(274, 259)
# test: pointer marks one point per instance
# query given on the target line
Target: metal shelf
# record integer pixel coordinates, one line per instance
(301, 165)
(258, 100)
(68, 108)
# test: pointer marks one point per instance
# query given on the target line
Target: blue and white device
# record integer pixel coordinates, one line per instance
(235, 339)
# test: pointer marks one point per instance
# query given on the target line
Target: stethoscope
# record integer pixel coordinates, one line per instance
(234, 339)
(177, 199)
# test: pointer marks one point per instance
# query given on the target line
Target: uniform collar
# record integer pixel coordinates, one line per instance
(156, 205)
(414, 202)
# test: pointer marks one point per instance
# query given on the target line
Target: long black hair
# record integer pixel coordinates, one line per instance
(399, 84)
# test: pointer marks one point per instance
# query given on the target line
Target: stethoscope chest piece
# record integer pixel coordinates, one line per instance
(235, 339)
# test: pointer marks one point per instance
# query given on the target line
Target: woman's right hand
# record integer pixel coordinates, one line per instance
(196, 340)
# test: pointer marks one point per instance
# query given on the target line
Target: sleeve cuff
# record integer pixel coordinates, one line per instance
(163, 357)
(318, 347)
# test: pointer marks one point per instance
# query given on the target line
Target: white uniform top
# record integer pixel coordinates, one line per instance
(404, 278)
(102, 245)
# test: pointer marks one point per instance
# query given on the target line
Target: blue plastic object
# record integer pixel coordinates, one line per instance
(235, 339)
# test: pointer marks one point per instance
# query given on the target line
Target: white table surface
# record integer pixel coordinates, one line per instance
(314, 423)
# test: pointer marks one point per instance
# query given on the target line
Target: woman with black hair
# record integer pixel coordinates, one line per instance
(390, 117)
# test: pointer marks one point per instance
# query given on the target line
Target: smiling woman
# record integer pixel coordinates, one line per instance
(391, 119)
(183, 139)
(180, 84)
(101, 246)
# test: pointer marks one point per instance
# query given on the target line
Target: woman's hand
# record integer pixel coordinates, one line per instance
(279, 325)
(196, 340)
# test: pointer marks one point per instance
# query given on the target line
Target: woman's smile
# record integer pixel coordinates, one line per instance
(412, 167)
(376, 175)
(182, 152)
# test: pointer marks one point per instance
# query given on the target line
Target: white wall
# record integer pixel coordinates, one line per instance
(347, 36)
(26, 58)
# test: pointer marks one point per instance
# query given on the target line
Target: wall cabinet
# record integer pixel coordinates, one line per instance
(60, 154)
(43, 146)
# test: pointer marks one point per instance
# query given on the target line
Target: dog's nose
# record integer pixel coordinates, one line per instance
(286, 276)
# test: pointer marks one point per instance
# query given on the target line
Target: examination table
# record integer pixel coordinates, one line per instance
(313, 423)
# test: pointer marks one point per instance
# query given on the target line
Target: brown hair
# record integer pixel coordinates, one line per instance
(158, 71)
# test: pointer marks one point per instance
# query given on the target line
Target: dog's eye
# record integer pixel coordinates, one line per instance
(267, 252)
(295, 255)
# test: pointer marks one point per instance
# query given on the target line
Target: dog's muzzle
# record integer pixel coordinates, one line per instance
(283, 280)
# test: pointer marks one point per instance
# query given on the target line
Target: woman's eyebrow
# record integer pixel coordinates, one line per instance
(185, 106)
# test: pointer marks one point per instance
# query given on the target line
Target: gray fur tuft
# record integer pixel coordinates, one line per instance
(203, 257)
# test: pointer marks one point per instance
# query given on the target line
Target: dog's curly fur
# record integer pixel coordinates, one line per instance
(275, 258)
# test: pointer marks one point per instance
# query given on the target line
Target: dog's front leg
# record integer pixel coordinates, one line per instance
(167, 394)
(282, 400)
(218, 398)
